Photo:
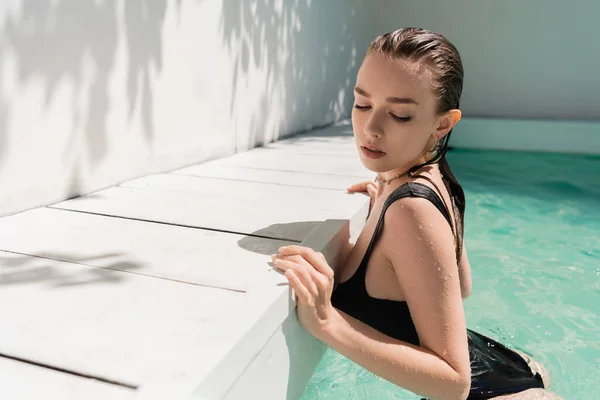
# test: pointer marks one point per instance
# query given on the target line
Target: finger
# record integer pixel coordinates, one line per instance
(298, 260)
(290, 257)
(301, 291)
(319, 278)
(372, 190)
(303, 272)
(277, 263)
(358, 187)
(294, 249)
(317, 260)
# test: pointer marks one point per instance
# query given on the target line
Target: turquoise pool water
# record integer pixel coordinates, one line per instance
(532, 230)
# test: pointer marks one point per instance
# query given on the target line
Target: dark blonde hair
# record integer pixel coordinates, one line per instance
(442, 60)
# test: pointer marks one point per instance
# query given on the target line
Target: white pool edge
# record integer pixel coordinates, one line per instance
(273, 356)
(577, 137)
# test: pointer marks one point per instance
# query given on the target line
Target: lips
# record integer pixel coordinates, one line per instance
(373, 148)
(371, 152)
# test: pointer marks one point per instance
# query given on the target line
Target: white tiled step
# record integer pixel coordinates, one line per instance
(331, 140)
(274, 211)
(327, 150)
(326, 158)
(190, 255)
(110, 324)
(296, 162)
(22, 381)
(322, 181)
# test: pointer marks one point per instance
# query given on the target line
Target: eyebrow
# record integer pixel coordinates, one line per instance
(398, 100)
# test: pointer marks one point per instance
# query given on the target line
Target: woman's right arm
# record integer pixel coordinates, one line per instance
(421, 253)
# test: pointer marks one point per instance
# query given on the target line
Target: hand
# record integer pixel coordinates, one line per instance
(311, 277)
(369, 188)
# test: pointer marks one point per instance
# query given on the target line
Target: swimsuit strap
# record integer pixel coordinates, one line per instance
(409, 189)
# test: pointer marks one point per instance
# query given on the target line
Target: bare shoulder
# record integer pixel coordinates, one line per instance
(417, 224)
(415, 218)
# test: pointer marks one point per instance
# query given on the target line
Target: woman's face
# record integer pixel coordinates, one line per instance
(395, 114)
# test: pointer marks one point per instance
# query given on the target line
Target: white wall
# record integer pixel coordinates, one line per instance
(96, 92)
(93, 93)
(536, 59)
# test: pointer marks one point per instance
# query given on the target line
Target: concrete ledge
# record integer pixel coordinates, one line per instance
(274, 356)
(581, 137)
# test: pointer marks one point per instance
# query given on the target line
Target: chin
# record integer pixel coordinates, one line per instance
(372, 165)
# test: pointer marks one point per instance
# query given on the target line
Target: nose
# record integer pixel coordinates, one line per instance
(374, 127)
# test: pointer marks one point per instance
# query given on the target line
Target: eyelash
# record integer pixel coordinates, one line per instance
(397, 118)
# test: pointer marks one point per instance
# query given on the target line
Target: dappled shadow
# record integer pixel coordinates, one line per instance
(309, 52)
(74, 64)
(49, 269)
(71, 50)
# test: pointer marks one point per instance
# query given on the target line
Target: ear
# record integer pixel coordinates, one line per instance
(446, 122)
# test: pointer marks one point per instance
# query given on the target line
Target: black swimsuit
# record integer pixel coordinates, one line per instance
(495, 369)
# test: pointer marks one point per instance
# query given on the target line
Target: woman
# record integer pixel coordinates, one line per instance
(397, 310)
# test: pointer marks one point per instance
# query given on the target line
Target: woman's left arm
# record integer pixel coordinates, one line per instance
(424, 262)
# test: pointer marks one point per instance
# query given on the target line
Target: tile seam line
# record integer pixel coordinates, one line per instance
(307, 153)
(243, 180)
(68, 371)
(122, 270)
(172, 224)
(281, 170)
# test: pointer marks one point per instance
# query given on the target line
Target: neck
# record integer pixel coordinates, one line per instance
(390, 180)
(399, 175)
(392, 175)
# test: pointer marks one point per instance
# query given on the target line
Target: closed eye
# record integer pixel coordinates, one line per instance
(400, 119)
(396, 117)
